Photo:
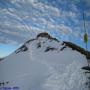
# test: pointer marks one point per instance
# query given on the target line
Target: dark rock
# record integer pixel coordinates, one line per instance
(86, 68)
(30, 40)
(62, 48)
(45, 34)
(87, 72)
(89, 78)
(1, 59)
(38, 45)
(78, 48)
(50, 49)
(21, 49)
(4, 83)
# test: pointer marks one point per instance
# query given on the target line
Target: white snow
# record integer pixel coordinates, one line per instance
(36, 69)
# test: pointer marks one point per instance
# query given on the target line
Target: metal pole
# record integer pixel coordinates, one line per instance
(85, 33)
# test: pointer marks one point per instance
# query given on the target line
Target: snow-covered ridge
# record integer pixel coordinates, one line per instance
(44, 63)
(64, 44)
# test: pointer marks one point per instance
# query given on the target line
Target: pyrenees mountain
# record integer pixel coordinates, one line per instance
(45, 63)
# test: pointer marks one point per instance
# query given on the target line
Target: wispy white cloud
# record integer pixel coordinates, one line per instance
(24, 19)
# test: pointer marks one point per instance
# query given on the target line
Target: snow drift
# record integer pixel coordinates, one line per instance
(44, 63)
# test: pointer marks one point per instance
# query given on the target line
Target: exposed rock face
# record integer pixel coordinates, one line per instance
(22, 49)
(77, 48)
(1, 59)
(44, 34)
(50, 49)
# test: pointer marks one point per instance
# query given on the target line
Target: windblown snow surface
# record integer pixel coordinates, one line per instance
(44, 66)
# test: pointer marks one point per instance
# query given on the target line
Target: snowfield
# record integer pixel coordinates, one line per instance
(40, 64)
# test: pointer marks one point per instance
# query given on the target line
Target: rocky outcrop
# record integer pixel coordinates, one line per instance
(49, 48)
(22, 49)
(77, 48)
(1, 59)
(45, 34)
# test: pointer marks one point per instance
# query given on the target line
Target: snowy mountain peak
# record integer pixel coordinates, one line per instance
(44, 63)
(46, 35)
(44, 40)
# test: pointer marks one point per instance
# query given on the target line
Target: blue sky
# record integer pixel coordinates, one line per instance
(21, 20)
(6, 49)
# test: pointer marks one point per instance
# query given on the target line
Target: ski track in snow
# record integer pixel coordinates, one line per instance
(66, 80)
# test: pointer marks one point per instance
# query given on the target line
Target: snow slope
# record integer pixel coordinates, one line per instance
(43, 64)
